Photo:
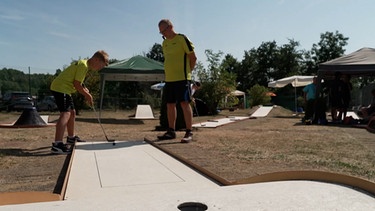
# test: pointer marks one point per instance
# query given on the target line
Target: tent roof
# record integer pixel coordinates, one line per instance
(136, 68)
(296, 81)
(360, 62)
(237, 93)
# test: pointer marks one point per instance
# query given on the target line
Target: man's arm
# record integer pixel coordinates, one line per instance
(192, 59)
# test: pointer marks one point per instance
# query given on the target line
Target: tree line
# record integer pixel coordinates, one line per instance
(223, 73)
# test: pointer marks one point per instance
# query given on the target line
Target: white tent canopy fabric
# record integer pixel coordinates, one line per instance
(238, 93)
(295, 81)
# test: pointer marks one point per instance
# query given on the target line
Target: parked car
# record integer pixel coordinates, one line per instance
(47, 104)
(16, 101)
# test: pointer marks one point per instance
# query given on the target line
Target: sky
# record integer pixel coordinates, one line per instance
(42, 36)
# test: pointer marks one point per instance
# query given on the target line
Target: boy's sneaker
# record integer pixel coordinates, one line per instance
(170, 134)
(188, 137)
(60, 148)
(73, 140)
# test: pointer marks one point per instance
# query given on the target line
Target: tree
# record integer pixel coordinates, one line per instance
(330, 46)
(308, 65)
(156, 53)
(246, 73)
(216, 82)
(258, 65)
(288, 61)
(230, 64)
(13, 80)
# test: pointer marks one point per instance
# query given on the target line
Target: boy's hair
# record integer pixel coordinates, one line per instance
(101, 54)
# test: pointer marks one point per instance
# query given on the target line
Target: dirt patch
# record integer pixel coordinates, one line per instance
(278, 142)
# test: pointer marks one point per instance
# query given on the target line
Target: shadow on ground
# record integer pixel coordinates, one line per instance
(112, 121)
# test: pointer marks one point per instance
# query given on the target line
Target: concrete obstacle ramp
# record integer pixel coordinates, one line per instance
(262, 111)
(213, 123)
(143, 112)
(29, 118)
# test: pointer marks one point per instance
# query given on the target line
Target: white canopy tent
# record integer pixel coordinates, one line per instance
(236, 93)
(296, 81)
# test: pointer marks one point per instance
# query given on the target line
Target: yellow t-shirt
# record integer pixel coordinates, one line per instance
(63, 83)
(175, 51)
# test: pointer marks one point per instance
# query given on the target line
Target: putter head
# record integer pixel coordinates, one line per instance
(112, 140)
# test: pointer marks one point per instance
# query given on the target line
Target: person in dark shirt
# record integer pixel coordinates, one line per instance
(346, 97)
(335, 96)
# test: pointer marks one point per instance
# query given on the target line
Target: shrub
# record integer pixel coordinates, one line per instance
(258, 95)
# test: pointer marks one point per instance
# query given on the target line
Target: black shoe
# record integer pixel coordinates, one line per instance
(60, 148)
(168, 135)
(73, 140)
(188, 137)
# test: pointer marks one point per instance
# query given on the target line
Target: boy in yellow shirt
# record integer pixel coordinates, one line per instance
(63, 86)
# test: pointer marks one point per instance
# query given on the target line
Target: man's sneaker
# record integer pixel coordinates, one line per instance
(170, 134)
(188, 137)
(60, 148)
(73, 140)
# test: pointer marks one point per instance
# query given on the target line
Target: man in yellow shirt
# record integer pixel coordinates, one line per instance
(63, 86)
(179, 61)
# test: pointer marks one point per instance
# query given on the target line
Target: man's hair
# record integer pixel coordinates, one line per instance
(197, 83)
(101, 54)
(165, 21)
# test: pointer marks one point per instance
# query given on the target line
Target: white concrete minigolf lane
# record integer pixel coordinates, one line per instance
(134, 175)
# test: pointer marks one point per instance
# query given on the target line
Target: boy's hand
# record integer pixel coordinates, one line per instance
(89, 100)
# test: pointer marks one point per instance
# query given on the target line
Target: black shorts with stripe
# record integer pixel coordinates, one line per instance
(64, 102)
(177, 91)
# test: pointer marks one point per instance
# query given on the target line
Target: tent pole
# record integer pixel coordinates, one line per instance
(295, 99)
(102, 82)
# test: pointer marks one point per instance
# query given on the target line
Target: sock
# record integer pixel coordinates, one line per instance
(57, 142)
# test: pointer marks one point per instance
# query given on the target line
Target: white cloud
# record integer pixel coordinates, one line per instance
(12, 17)
(59, 34)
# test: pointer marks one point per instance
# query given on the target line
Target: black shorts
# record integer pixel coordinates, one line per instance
(64, 102)
(178, 91)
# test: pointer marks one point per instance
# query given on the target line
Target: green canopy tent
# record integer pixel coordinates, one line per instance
(136, 68)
